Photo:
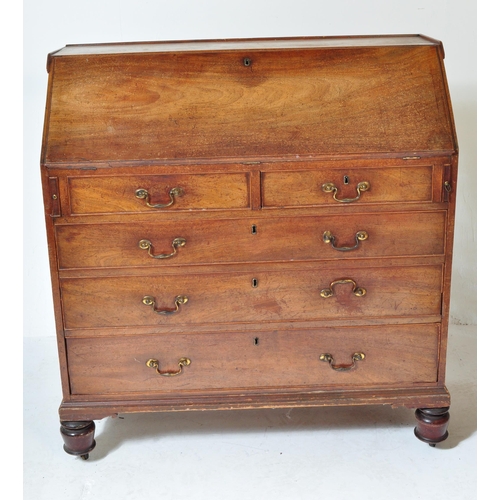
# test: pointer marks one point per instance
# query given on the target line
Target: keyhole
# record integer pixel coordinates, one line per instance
(256, 341)
(346, 179)
(254, 229)
(255, 283)
(247, 61)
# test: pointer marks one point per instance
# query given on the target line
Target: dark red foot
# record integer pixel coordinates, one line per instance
(432, 424)
(78, 437)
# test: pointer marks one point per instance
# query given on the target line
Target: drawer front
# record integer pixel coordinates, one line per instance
(364, 186)
(124, 194)
(403, 354)
(293, 295)
(242, 240)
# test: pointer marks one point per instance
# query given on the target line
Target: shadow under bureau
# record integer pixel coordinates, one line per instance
(250, 224)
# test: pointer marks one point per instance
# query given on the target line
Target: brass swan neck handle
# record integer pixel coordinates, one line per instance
(328, 292)
(154, 363)
(329, 187)
(176, 243)
(359, 236)
(151, 301)
(143, 194)
(328, 358)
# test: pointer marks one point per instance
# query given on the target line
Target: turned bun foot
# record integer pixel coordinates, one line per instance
(78, 437)
(432, 424)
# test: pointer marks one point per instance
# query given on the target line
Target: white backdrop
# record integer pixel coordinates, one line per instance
(51, 24)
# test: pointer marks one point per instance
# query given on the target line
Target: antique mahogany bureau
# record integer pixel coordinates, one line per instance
(261, 223)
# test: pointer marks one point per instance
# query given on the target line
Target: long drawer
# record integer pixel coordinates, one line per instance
(403, 354)
(196, 241)
(295, 294)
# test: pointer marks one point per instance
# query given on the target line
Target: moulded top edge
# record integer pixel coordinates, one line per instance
(246, 44)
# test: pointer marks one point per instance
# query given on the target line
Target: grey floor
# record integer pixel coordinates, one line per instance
(339, 453)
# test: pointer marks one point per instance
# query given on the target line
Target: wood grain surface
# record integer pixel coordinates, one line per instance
(231, 297)
(109, 194)
(210, 105)
(241, 240)
(387, 185)
(394, 355)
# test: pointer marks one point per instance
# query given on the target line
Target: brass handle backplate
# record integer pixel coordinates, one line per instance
(328, 292)
(328, 358)
(329, 187)
(151, 301)
(359, 236)
(143, 194)
(147, 245)
(154, 363)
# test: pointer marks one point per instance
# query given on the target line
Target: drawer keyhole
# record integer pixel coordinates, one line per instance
(255, 283)
(256, 341)
(346, 179)
(254, 229)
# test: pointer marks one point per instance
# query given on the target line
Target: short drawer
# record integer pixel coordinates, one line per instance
(194, 241)
(292, 295)
(402, 355)
(154, 193)
(347, 186)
